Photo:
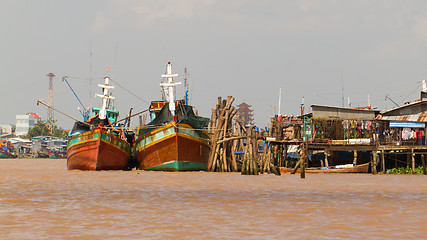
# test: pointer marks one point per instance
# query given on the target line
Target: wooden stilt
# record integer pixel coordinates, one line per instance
(285, 156)
(413, 161)
(408, 156)
(383, 162)
(326, 158)
(423, 160)
(303, 157)
(374, 162)
(355, 157)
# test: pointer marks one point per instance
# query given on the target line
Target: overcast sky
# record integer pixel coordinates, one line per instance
(244, 48)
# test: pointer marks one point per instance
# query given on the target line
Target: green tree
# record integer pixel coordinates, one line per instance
(41, 129)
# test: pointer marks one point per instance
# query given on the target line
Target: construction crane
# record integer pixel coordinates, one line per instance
(84, 112)
(50, 118)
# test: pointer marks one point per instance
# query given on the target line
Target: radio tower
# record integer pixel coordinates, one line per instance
(50, 121)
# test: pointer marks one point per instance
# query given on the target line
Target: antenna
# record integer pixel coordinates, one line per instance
(50, 120)
(342, 88)
(280, 96)
(369, 101)
(115, 61)
(90, 78)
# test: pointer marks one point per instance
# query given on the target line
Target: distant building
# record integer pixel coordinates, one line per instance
(5, 129)
(245, 113)
(25, 122)
(319, 111)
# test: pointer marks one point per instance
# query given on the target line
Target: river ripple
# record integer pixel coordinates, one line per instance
(40, 199)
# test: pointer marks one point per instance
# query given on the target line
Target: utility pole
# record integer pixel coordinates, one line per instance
(50, 117)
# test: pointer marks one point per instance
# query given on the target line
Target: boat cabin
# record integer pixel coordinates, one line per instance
(111, 114)
(156, 107)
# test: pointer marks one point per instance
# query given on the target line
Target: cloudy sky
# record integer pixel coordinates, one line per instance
(244, 48)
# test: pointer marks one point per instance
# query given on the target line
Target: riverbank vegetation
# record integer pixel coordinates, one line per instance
(403, 170)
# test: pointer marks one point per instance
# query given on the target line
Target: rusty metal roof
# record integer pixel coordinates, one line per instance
(419, 117)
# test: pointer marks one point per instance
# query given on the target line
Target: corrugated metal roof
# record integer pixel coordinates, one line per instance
(346, 108)
(34, 114)
(419, 117)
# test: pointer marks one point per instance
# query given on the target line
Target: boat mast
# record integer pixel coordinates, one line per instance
(169, 87)
(105, 97)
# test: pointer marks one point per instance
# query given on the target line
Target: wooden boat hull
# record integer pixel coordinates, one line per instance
(6, 154)
(362, 168)
(42, 155)
(171, 148)
(97, 150)
(57, 155)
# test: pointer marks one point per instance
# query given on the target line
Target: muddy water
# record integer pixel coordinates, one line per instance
(40, 199)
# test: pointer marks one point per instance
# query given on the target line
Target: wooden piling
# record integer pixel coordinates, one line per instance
(303, 158)
(408, 156)
(383, 162)
(423, 161)
(250, 156)
(374, 162)
(355, 157)
(413, 161)
(326, 158)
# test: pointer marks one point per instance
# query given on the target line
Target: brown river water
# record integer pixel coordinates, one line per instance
(41, 199)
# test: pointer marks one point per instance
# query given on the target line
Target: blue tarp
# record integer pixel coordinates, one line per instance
(408, 124)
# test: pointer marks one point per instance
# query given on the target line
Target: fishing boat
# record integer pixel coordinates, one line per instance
(348, 168)
(57, 155)
(175, 139)
(41, 154)
(96, 144)
(6, 153)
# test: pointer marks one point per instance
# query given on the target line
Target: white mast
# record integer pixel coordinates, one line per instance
(169, 87)
(105, 87)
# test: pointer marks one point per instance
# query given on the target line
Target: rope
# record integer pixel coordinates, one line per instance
(129, 91)
(130, 116)
(38, 101)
